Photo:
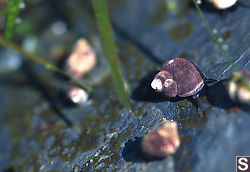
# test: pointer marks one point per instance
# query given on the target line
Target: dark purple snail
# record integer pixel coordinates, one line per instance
(180, 78)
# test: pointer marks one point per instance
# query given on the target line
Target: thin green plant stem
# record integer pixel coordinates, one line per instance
(242, 80)
(224, 53)
(13, 10)
(43, 62)
(106, 33)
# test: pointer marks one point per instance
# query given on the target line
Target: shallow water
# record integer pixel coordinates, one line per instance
(42, 131)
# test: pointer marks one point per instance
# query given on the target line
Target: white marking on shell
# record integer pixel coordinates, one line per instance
(170, 61)
(156, 84)
(168, 82)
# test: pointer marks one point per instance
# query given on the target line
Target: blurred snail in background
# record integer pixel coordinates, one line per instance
(222, 4)
(81, 61)
(238, 87)
(77, 95)
(161, 142)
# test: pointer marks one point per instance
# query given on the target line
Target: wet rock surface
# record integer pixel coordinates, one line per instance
(42, 131)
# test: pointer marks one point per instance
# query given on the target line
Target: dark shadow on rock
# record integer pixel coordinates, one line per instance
(217, 95)
(34, 82)
(63, 99)
(9, 169)
(132, 152)
(144, 92)
(245, 107)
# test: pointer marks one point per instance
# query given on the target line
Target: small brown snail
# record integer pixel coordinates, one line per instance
(81, 60)
(161, 142)
(180, 77)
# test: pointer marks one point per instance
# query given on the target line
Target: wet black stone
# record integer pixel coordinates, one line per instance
(37, 138)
